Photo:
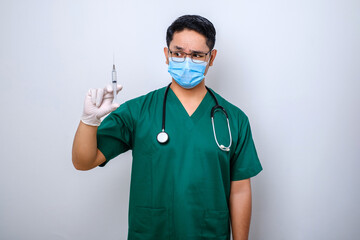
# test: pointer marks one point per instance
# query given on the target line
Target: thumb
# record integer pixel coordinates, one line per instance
(109, 88)
(106, 109)
(119, 87)
(114, 106)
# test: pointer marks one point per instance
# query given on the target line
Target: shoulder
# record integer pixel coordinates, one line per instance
(145, 102)
(146, 98)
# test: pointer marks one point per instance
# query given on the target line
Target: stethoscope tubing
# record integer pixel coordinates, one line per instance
(163, 137)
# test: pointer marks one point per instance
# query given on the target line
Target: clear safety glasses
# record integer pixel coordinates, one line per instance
(196, 57)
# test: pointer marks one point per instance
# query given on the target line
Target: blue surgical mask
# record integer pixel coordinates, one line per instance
(187, 74)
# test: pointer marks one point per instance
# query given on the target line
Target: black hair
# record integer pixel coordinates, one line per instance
(193, 22)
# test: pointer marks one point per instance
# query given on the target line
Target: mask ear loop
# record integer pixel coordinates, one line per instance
(213, 110)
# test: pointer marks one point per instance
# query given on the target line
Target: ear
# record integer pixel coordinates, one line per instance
(212, 57)
(166, 52)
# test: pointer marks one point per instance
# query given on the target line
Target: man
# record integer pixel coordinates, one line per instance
(189, 181)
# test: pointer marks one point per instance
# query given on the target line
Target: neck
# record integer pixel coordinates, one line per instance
(199, 91)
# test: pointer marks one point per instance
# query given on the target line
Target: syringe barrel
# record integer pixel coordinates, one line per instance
(114, 91)
(114, 76)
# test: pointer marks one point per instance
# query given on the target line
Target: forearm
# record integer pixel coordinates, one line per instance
(240, 212)
(84, 147)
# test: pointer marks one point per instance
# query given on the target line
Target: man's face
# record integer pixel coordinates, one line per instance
(189, 41)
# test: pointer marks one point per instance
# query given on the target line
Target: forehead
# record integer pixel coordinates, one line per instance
(189, 40)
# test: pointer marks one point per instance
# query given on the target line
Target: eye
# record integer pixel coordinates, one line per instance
(178, 54)
(198, 55)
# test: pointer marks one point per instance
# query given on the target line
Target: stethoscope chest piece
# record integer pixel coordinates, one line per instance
(162, 137)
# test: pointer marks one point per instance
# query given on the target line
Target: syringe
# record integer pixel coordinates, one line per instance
(114, 83)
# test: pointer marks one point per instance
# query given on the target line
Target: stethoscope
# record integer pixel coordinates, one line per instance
(163, 137)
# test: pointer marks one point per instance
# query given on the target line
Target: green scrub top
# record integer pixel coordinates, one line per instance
(180, 190)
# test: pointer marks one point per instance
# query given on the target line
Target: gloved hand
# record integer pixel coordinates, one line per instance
(98, 103)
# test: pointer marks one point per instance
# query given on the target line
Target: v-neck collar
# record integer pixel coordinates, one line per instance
(204, 105)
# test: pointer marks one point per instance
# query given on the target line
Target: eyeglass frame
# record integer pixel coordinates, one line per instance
(171, 52)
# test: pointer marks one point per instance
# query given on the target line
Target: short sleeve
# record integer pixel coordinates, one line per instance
(245, 162)
(114, 135)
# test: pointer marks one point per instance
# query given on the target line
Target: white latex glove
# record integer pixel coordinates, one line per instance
(98, 103)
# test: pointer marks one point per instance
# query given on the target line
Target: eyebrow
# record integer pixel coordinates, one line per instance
(192, 51)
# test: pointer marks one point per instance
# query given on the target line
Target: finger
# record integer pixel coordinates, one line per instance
(107, 109)
(93, 95)
(108, 92)
(114, 106)
(119, 87)
(99, 97)
(108, 89)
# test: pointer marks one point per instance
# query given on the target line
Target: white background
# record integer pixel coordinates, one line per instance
(292, 66)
